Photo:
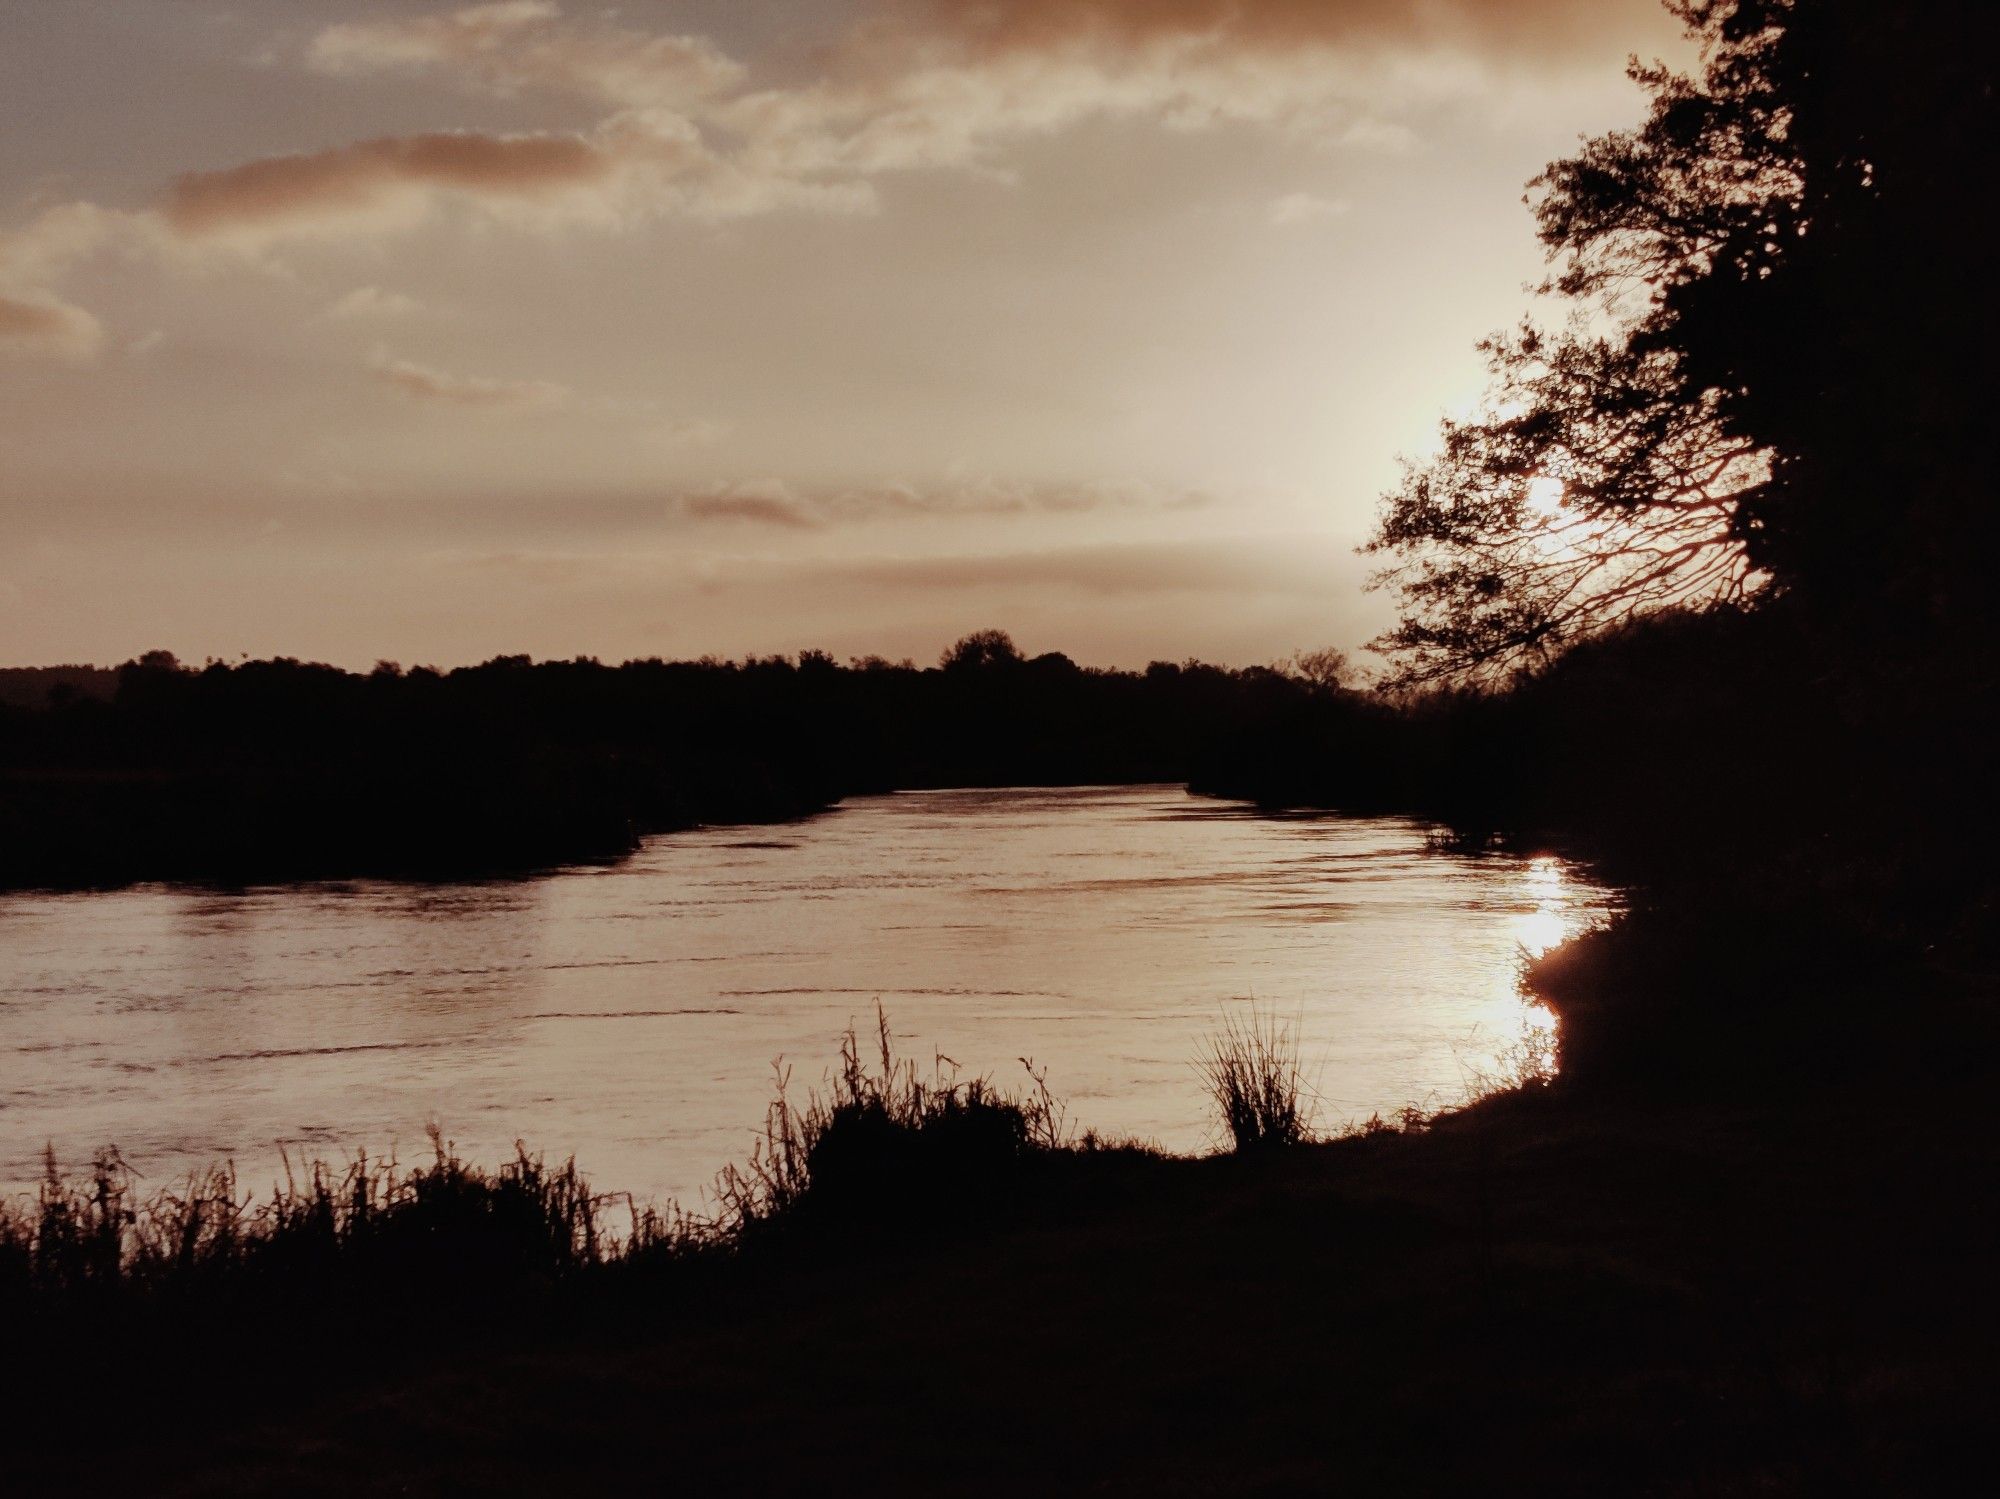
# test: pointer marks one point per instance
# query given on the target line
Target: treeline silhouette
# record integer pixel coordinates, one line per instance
(282, 769)
(39, 686)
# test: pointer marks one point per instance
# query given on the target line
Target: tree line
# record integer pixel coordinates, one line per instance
(288, 769)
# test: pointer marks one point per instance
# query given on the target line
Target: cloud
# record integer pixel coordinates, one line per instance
(525, 45)
(922, 112)
(1384, 136)
(426, 384)
(1300, 566)
(375, 183)
(43, 252)
(46, 326)
(1005, 497)
(373, 302)
(929, 84)
(633, 166)
(1535, 27)
(943, 83)
(1113, 569)
(57, 239)
(687, 432)
(1305, 208)
(767, 502)
(771, 502)
(421, 383)
(912, 85)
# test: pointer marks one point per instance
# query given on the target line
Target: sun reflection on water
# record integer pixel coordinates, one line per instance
(1553, 919)
(1521, 1044)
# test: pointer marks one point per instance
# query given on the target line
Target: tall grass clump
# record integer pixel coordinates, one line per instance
(885, 1144)
(1251, 1068)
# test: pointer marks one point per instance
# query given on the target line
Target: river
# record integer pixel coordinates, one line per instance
(631, 1015)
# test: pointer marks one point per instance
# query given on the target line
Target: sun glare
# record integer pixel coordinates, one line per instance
(1545, 495)
(1550, 922)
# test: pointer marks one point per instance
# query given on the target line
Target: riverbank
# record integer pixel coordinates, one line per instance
(1575, 1289)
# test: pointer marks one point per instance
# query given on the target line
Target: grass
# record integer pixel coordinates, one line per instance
(885, 1142)
(1251, 1069)
(362, 1224)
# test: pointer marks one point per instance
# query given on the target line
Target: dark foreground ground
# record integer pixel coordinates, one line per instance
(1792, 1294)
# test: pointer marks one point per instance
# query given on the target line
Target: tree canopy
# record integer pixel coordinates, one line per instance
(1764, 378)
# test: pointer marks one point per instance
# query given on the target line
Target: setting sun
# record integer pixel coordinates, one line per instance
(1545, 495)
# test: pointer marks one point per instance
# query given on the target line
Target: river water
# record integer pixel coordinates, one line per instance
(631, 1015)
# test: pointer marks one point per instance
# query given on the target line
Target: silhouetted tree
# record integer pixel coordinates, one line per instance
(981, 650)
(1327, 668)
(1768, 381)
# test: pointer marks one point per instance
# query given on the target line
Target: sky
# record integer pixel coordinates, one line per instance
(353, 330)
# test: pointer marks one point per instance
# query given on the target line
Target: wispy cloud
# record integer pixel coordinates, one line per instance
(50, 327)
(1305, 208)
(942, 83)
(421, 383)
(525, 45)
(1537, 27)
(772, 502)
(758, 503)
(377, 183)
(1297, 568)
(1122, 568)
(366, 302)
(686, 432)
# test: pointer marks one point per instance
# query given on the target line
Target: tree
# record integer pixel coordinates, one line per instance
(1767, 289)
(982, 650)
(1327, 669)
